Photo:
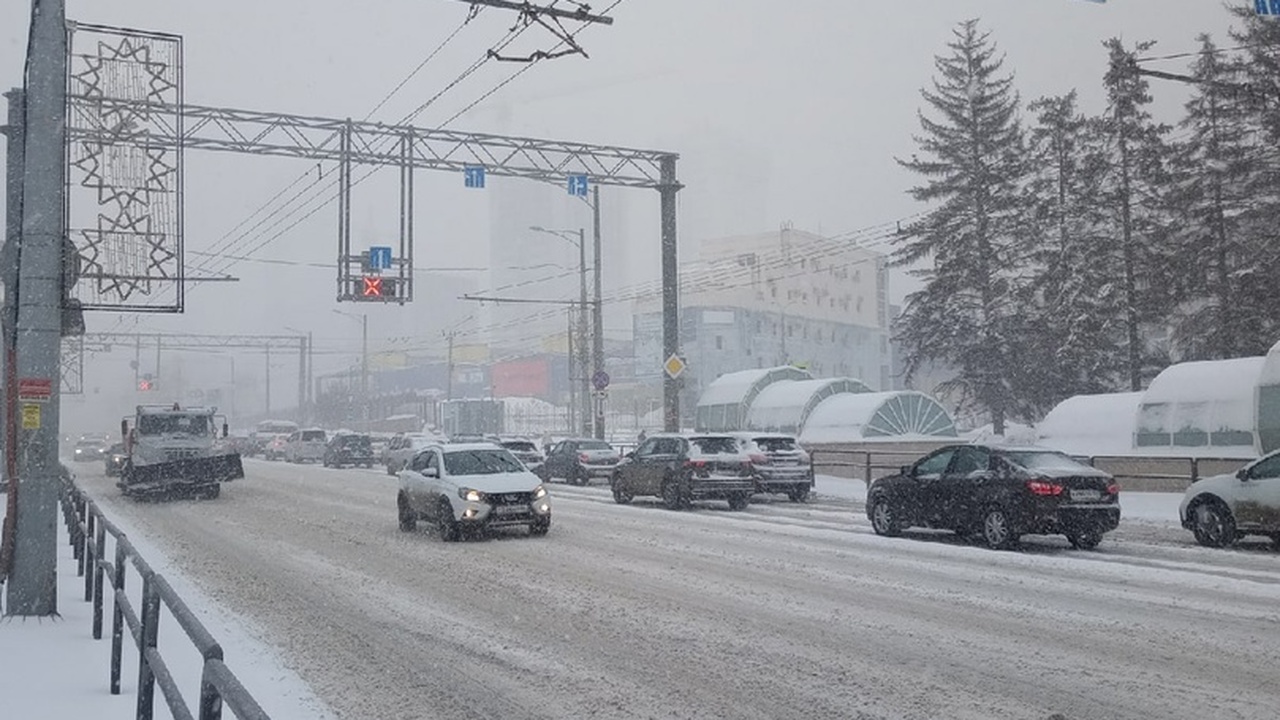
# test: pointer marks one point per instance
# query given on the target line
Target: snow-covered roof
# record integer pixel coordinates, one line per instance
(897, 413)
(1270, 373)
(786, 404)
(723, 405)
(1092, 424)
(1202, 403)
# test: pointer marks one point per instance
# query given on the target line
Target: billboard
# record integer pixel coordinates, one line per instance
(525, 377)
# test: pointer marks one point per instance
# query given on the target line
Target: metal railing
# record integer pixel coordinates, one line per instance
(1178, 471)
(89, 530)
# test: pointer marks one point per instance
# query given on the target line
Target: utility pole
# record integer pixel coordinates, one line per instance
(311, 373)
(448, 382)
(268, 381)
(9, 266)
(670, 292)
(584, 375)
(597, 316)
(573, 392)
(302, 379)
(364, 367)
(32, 583)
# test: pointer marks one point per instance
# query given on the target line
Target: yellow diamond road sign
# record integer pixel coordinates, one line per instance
(674, 366)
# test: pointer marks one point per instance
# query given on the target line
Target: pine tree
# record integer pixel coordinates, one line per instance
(1073, 342)
(967, 313)
(1137, 160)
(1214, 170)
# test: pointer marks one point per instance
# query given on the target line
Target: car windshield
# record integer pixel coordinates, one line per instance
(713, 446)
(313, 436)
(594, 445)
(163, 424)
(354, 441)
(480, 462)
(520, 446)
(1042, 460)
(776, 444)
(89, 444)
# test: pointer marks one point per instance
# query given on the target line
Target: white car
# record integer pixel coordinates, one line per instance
(471, 487)
(306, 446)
(1223, 508)
(402, 448)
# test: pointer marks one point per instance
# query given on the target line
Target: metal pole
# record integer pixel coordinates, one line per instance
(573, 392)
(584, 376)
(9, 266)
(670, 292)
(302, 380)
(32, 585)
(364, 368)
(268, 382)
(597, 314)
(311, 374)
(448, 382)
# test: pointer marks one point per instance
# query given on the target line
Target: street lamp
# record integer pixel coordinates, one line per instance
(584, 377)
(364, 361)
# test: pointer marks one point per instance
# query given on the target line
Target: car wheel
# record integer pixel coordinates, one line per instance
(408, 518)
(997, 530)
(540, 528)
(799, 494)
(671, 495)
(577, 476)
(884, 520)
(1085, 539)
(446, 526)
(620, 496)
(1213, 526)
(739, 501)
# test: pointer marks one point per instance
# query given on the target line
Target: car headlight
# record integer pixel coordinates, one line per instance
(472, 495)
(539, 492)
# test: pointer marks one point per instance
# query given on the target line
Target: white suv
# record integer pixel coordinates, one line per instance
(471, 487)
(1221, 509)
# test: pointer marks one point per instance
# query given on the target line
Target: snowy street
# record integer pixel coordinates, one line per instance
(780, 611)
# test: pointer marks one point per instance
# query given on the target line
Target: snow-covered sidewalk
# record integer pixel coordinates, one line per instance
(53, 668)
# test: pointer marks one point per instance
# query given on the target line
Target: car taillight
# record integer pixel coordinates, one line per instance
(759, 459)
(584, 457)
(1113, 489)
(697, 464)
(1042, 487)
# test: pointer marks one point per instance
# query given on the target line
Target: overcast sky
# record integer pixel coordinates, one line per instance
(781, 111)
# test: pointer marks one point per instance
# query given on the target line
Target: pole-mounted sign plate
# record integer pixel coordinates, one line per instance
(600, 380)
(674, 366)
(1267, 7)
(380, 257)
(30, 417)
(37, 390)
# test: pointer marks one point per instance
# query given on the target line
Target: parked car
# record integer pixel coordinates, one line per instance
(306, 446)
(114, 460)
(779, 464)
(88, 449)
(579, 460)
(468, 488)
(274, 449)
(526, 451)
(680, 469)
(402, 448)
(1222, 509)
(348, 449)
(1000, 493)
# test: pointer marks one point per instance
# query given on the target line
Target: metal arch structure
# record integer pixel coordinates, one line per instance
(409, 148)
(74, 349)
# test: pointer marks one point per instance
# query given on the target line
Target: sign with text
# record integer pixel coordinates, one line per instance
(35, 389)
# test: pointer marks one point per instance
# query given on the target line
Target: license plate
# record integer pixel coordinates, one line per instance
(1086, 495)
(509, 509)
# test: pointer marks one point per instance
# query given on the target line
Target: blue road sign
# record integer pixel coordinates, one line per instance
(473, 176)
(600, 380)
(578, 185)
(380, 258)
(1267, 7)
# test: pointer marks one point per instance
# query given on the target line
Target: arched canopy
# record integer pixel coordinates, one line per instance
(1091, 424)
(1201, 403)
(785, 406)
(1269, 402)
(900, 413)
(724, 404)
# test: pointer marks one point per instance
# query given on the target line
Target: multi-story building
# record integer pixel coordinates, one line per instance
(786, 297)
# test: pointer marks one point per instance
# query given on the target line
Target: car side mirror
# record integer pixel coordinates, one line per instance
(431, 472)
(630, 456)
(905, 471)
(225, 430)
(1242, 474)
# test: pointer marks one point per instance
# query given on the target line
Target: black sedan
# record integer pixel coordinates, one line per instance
(348, 449)
(999, 493)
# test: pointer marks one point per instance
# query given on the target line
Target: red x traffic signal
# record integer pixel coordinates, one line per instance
(372, 286)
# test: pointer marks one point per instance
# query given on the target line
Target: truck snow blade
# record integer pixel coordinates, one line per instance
(219, 468)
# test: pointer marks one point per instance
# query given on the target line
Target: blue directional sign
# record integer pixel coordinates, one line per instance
(578, 185)
(473, 176)
(380, 258)
(1267, 7)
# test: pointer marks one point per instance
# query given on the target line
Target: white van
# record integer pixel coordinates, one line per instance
(306, 446)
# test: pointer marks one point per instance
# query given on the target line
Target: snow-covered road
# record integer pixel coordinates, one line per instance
(781, 611)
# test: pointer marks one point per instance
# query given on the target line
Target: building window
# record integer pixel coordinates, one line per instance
(719, 342)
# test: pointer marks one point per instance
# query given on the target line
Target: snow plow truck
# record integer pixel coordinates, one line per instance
(172, 451)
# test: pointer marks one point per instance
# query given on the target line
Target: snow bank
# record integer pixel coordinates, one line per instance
(1092, 424)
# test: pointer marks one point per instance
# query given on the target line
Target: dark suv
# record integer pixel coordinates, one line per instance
(680, 469)
(999, 493)
(780, 465)
(348, 449)
(578, 460)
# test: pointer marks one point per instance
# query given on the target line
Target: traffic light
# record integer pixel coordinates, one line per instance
(144, 385)
(372, 287)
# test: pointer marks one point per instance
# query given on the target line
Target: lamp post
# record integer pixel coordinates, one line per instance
(364, 363)
(584, 378)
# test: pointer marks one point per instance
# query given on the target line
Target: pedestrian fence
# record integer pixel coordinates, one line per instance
(108, 568)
